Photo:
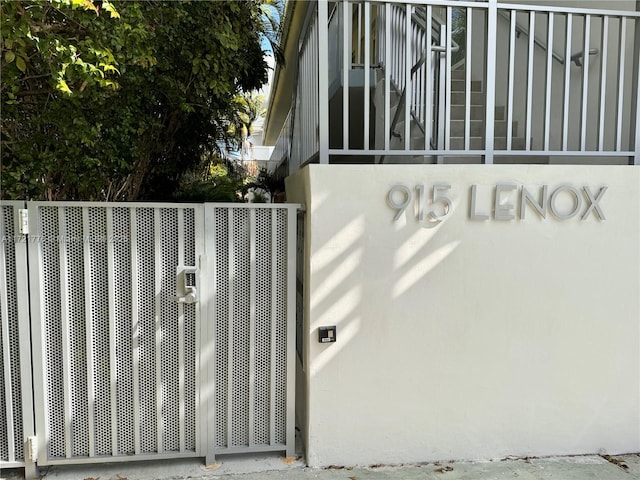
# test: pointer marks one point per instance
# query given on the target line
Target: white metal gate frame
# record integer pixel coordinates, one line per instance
(108, 340)
(249, 275)
(16, 397)
(90, 264)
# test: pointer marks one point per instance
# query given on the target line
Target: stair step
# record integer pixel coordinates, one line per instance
(459, 98)
(477, 112)
(459, 74)
(459, 111)
(461, 86)
(476, 128)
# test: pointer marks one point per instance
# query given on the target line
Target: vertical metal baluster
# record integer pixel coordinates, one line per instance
(442, 93)
(359, 35)
(547, 103)
(567, 83)
(468, 90)
(447, 77)
(367, 71)
(323, 80)
(585, 83)
(306, 127)
(397, 28)
(635, 94)
(604, 51)
(510, 94)
(407, 81)
(492, 46)
(621, 74)
(428, 115)
(418, 92)
(387, 76)
(532, 29)
(316, 106)
(346, 67)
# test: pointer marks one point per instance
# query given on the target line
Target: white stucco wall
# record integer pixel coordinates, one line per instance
(469, 339)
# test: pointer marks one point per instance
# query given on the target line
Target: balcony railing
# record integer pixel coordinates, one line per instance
(282, 150)
(446, 81)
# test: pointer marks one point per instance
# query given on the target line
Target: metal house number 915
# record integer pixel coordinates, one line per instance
(437, 206)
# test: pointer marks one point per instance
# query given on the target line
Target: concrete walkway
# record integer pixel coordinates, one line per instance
(621, 467)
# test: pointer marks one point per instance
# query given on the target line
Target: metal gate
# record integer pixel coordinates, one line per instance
(115, 355)
(16, 407)
(161, 330)
(252, 256)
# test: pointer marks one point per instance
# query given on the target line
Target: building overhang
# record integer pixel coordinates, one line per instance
(283, 83)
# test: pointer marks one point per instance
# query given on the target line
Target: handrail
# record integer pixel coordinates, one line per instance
(419, 20)
(575, 58)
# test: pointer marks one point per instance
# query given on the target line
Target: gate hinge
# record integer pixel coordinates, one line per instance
(24, 221)
(33, 448)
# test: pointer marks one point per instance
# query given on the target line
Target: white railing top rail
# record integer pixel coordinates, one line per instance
(565, 10)
(484, 4)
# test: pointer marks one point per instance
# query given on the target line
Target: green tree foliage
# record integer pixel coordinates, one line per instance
(245, 109)
(269, 182)
(117, 100)
(221, 181)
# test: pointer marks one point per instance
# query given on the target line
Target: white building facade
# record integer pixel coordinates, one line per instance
(471, 227)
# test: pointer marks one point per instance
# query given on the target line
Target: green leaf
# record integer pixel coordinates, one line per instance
(109, 8)
(109, 68)
(9, 56)
(63, 87)
(20, 63)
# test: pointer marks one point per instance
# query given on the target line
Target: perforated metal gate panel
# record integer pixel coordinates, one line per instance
(16, 408)
(252, 250)
(125, 367)
(118, 353)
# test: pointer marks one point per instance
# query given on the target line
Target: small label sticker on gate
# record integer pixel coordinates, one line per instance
(24, 221)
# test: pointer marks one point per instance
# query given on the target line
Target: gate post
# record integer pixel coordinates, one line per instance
(292, 237)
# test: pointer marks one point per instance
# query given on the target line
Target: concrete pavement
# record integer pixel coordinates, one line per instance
(272, 467)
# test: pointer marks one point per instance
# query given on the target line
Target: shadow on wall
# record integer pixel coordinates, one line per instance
(351, 268)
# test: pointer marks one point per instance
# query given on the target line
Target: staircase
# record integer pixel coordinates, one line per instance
(457, 128)
(477, 122)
